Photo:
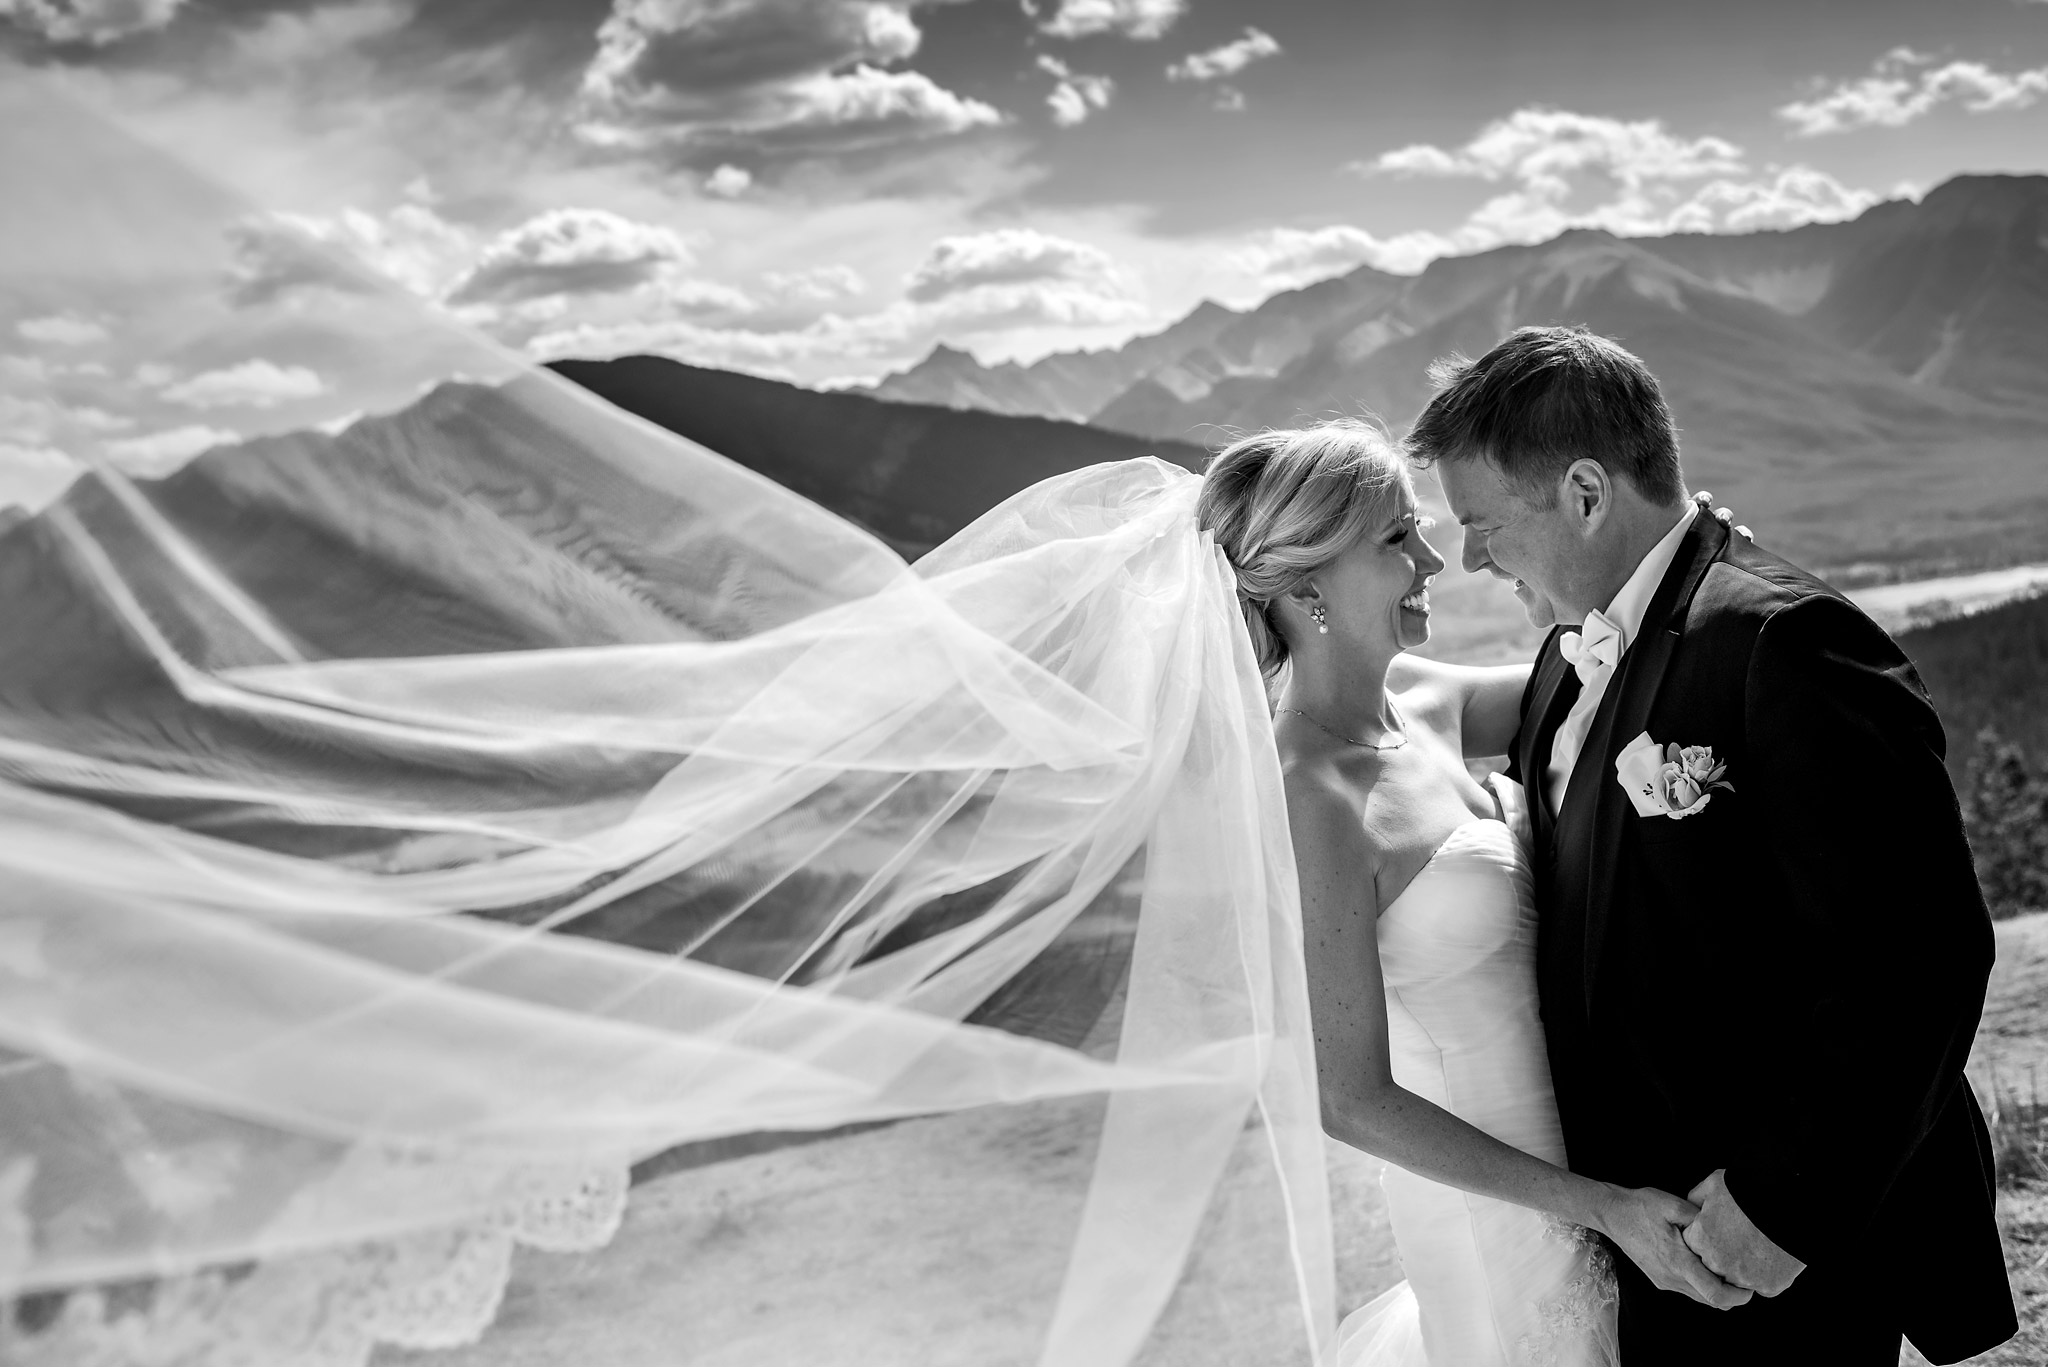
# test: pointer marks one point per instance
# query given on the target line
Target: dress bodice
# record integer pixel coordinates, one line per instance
(1458, 952)
(1466, 921)
(1490, 1284)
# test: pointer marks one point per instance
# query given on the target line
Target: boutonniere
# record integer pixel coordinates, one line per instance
(1670, 780)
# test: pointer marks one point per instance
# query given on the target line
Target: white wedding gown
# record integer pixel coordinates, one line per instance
(1489, 1284)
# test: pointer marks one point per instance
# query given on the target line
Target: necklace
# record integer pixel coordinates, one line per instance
(1402, 733)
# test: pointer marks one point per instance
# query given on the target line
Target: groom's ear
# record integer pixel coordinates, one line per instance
(1588, 493)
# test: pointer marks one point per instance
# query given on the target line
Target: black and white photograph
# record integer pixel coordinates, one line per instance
(1023, 683)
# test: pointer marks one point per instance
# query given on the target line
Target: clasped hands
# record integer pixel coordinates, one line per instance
(1703, 1247)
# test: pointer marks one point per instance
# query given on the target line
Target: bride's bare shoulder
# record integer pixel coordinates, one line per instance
(1425, 687)
(1455, 685)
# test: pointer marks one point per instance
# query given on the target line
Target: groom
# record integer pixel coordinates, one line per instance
(1762, 950)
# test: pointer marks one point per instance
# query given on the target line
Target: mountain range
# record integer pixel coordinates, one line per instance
(1871, 395)
(453, 525)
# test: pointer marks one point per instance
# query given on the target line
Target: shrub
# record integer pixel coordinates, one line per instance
(2006, 812)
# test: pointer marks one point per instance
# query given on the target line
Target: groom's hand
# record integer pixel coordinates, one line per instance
(1646, 1225)
(1734, 1248)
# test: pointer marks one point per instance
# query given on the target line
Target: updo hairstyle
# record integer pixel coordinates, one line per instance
(1283, 504)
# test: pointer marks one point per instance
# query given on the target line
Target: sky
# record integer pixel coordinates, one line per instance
(821, 190)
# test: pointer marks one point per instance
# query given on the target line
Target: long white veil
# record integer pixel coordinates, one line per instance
(448, 792)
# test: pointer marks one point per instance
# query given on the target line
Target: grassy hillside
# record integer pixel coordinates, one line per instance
(911, 473)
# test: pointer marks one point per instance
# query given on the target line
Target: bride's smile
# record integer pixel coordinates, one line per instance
(1375, 594)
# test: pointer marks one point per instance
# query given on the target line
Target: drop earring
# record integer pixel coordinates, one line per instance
(1316, 613)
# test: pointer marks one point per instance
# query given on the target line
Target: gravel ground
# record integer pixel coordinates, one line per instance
(1002, 1179)
(2012, 1052)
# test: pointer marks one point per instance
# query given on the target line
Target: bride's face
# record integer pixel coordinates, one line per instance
(1376, 592)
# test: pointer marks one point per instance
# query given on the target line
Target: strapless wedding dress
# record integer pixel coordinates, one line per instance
(1489, 1284)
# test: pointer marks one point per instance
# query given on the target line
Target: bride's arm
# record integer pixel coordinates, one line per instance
(1489, 698)
(1364, 1107)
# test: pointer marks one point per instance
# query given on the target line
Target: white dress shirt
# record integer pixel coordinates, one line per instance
(1596, 652)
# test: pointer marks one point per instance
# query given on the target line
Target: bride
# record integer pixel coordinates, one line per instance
(1417, 912)
(417, 826)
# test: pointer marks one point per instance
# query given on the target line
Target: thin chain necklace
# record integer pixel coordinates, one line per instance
(1353, 740)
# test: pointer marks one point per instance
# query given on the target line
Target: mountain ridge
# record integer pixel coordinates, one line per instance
(1788, 269)
(1874, 390)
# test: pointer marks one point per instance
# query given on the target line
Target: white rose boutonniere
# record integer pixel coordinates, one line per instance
(1670, 780)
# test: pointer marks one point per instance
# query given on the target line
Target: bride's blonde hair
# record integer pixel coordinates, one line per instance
(1285, 503)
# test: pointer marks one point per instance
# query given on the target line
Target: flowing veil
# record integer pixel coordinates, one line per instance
(446, 792)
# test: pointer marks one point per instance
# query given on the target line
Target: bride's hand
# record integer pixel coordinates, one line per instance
(1649, 1226)
(1724, 516)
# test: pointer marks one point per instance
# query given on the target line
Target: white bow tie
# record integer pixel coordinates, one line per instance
(1594, 647)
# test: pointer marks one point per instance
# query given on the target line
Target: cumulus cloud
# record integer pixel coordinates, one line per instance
(1904, 85)
(1536, 145)
(569, 251)
(901, 330)
(33, 475)
(61, 329)
(39, 420)
(1296, 256)
(280, 254)
(1006, 256)
(1227, 60)
(252, 384)
(1001, 281)
(1229, 100)
(819, 284)
(1140, 19)
(25, 370)
(89, 419)
(96, 22)
(288, 38)
(276, 254)
(703, 298)
(1419, 159)
(1077, 95)
(1064, 304)
(728, 182)
(160, 453)
(765, 77)
(1562, 170)
(1783, 198)
(867, 106)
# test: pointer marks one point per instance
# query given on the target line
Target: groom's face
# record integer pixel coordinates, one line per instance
(1512, 539)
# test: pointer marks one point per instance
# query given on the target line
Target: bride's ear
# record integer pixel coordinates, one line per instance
(1301, 601)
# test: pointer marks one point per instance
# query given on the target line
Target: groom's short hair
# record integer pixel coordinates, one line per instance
(1543, 398)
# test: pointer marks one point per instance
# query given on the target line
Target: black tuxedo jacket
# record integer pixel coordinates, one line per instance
(1785, 984)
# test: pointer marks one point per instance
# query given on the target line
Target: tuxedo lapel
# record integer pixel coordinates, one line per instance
(1622, 716)
(1549, 702)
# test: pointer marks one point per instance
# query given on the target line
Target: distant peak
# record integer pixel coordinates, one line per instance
(1987, 192)
(1992, 182)
(1994, 201)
